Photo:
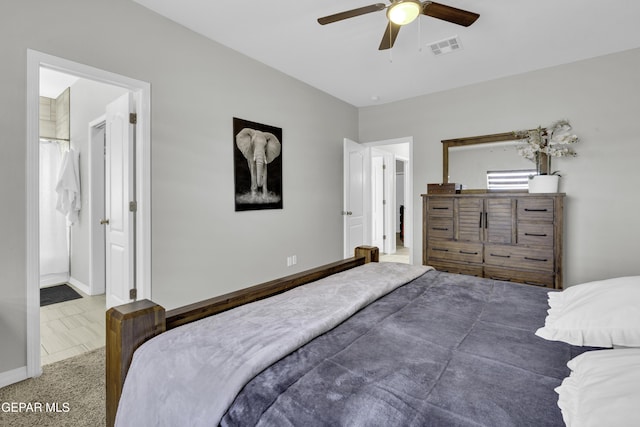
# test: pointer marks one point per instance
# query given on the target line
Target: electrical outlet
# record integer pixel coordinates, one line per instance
(292, 260)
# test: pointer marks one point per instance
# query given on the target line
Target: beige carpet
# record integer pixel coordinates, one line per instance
(68, 393)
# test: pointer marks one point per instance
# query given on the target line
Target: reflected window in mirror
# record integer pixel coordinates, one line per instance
(509, 179)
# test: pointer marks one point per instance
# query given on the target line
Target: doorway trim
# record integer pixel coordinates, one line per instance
(142, 97)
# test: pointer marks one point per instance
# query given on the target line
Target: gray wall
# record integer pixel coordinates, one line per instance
(599, 97)
(200, 246)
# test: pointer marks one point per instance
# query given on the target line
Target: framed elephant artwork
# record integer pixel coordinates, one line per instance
(257, 157)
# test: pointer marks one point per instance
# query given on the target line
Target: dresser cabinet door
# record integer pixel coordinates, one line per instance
(498, 221)
(470, 219)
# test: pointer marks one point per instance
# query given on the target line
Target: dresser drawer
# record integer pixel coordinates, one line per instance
(450, 267)
(537, 234)
(519, 276)
(519, 257)
(440, 207)
(535, 209)
(455, 251)
(440, 228)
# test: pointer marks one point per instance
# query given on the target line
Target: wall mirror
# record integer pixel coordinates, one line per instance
(466, 161)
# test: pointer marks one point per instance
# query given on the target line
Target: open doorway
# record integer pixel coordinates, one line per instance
(72, 213)
(375, 195)
(391, 200)
(63, 329)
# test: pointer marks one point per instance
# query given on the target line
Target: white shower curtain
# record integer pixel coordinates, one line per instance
(54, 246)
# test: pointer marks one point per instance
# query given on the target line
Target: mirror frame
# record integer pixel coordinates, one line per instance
(475, 140)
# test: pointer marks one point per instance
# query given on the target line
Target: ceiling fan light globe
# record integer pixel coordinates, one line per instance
(404, 12)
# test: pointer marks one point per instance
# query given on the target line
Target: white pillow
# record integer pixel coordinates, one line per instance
(603, 389)
(600, 314)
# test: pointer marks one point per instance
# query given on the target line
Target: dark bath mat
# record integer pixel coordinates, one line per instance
(56, 294)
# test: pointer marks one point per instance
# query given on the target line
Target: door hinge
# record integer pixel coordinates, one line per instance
(133, 293)
(384, 237)
(133, 206)
(384, 166)
(133, 118)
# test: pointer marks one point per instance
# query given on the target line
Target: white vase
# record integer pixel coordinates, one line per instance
(544, 184)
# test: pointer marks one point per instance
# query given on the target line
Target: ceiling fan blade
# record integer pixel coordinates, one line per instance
(351, 13)
(389, 37)
(449, 13)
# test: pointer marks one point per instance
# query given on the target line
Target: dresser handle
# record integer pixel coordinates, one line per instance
(441, 250)
(535, 259)
(468, 253)
(480, 224)
(501, 256)
(437, 208)
(440, 228)
(535, 210)
(501, 279)
(536, 234)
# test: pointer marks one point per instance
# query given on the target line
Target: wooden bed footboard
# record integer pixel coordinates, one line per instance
(130, 325)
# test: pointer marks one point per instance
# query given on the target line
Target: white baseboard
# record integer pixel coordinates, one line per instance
(81, 286)
(13, 376)
(53, 279)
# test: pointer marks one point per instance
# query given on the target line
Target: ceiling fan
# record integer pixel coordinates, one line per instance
(402, 12)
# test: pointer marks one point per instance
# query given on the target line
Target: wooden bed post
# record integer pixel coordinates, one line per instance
(370, 253)
(128, 327)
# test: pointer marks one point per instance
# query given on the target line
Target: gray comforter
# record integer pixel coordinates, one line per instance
(189, 376)
(443, 350)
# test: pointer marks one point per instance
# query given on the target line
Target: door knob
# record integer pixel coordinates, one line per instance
(104, 221)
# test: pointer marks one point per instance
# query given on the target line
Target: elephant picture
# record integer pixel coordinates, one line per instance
(258, 165)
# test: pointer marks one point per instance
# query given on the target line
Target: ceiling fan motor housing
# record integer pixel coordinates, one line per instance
(403, 12)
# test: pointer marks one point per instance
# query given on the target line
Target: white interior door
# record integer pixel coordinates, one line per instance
(383, 201)
(389, 204)
(119, 192)
(377, 201)
(356, 160)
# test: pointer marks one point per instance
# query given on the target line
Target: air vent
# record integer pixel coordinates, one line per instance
(449, 45)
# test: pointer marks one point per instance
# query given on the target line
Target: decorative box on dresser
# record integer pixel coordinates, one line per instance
(504, 235)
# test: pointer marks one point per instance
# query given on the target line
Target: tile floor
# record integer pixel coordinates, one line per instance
(401, 255)
(72, 327)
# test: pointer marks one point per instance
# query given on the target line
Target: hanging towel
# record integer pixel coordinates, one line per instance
(68, 187)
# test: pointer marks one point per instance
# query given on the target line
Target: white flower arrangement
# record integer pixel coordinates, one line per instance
(553, 141)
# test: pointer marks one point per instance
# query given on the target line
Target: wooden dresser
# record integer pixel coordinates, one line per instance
(504, 236)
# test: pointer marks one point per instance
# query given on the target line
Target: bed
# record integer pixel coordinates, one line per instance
(360, 344)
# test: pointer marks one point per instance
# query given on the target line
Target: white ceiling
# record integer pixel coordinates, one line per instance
(342, 58)
(53, 83)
